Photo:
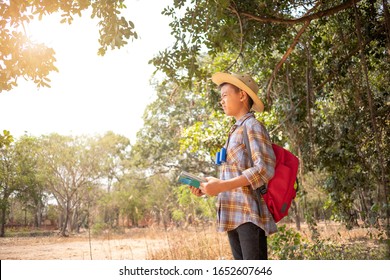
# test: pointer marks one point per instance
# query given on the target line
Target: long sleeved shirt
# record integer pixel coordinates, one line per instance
(241, 205)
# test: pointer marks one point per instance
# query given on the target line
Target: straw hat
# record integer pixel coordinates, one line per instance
(244, 82)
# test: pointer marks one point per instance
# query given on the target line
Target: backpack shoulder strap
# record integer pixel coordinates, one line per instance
(263, 188)
(248, 147)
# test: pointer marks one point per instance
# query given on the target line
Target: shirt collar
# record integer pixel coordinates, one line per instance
(244, 118)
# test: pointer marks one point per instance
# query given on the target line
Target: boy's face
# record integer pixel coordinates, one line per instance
(231, 100)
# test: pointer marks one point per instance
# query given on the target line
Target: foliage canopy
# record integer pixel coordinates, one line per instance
(21, 57)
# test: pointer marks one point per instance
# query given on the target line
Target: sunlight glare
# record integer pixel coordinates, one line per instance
(44, 31)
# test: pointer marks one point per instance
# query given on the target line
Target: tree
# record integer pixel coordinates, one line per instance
(20, 57)
(19, 177)
(70, 174)
(7, 179)
(30, 192)
(111, 152)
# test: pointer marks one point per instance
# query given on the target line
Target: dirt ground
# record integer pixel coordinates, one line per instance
(79, 247)
(138, 243)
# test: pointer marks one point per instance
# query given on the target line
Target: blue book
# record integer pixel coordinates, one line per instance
(190, 179)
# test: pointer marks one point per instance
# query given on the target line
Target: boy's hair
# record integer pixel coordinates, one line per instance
(237, 89)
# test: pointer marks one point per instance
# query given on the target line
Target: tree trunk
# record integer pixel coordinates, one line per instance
(64, 225)
(4, 203)
(293, 136)
(296, 214)
(38, 215)
(74, 221)
(3, 216)
(309, 97)
(383, 188)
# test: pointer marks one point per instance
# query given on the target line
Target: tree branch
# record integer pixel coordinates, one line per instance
(387, 23)
(291, 113)
(305, 18)
(288, 52)
(285, 56)
(234, 10)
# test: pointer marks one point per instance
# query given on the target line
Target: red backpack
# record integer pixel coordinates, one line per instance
(280, 191)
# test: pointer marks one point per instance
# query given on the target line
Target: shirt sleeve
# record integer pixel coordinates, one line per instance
(263, 155)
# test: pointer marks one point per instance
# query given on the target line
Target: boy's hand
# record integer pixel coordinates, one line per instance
(212, 187)
(196, 191)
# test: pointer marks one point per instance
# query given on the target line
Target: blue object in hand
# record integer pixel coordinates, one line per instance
(190, 179)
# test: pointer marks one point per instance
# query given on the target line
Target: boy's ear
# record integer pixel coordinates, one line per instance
(243, 96)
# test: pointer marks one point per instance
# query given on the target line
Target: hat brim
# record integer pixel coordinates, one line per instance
(220, 78)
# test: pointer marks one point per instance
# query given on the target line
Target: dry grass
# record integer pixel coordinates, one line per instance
(338, 232)
(204, 243)
(195, 243)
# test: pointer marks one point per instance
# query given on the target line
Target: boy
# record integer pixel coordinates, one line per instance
(246, 220)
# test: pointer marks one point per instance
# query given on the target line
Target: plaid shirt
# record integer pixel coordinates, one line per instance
(240, 205)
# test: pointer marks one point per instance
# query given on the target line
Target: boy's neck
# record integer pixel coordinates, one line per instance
(240, 115)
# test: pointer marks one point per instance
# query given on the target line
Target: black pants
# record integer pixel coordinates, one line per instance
(248, 242)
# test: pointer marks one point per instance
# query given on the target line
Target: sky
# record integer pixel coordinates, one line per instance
(90, 94)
